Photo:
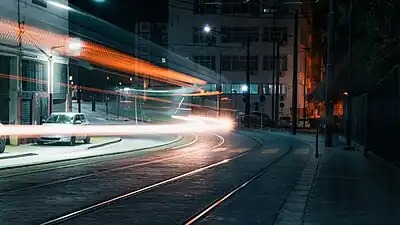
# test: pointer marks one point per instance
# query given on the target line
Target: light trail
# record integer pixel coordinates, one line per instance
(190, 124)
(73, 86)
(95, 53)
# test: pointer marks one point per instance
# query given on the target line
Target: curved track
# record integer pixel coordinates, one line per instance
(177, 186)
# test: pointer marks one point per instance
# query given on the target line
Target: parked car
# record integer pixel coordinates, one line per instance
(3, 142)
(285, 122)
(64, 119)
(255, 119)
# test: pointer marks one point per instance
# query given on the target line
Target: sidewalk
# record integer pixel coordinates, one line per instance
(352, 189)
(348, 188)
(34, 149)
(30, 156)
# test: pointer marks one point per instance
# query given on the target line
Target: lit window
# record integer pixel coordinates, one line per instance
(269, 89)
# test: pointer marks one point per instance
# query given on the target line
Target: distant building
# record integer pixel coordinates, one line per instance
(26, 101)
(153, 41)
(223, 49)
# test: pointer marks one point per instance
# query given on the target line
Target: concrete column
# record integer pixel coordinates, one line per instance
(14, 108)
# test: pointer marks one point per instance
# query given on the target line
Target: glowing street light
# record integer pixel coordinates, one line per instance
(207, 28)
(244, 88)
(74, 47)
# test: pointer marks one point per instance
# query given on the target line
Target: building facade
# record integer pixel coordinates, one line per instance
(223, 49)
(25, 94)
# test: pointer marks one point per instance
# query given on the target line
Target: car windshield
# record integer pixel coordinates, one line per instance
(59, 118)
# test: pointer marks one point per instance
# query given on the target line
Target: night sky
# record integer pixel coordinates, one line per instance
(124, 13)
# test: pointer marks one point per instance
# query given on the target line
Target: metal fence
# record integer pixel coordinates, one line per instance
(376, 117)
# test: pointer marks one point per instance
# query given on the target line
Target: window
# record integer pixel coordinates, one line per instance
(227, 88)
(239, 34)
(237, 88)
(209, 87)
(60, 77)
(268, 63)
(254, 89)
(205, 6)
(269, 89)
(280, 34)
(235, 7)
(33, 71)
(42, 3)
(201, 37)
(238, 63)
(206, 61)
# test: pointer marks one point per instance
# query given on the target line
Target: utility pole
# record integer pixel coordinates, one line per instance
(277, 85)
(273, 67)
(305, 86)
(294, 81)
(349, 90)
(247, 110)
(79, 95)
(329, 74)
(219, 86)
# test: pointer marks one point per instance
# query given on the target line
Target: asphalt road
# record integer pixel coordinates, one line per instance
(168, 186)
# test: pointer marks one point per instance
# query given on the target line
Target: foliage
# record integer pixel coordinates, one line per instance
(376, 39)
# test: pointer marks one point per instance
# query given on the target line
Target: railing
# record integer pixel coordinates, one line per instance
(376, 117)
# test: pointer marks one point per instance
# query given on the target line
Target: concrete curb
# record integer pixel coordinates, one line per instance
(179, 138)
(104, 144)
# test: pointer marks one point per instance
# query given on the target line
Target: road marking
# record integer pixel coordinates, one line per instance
(302, 151)
(219, 149)
(270, 151)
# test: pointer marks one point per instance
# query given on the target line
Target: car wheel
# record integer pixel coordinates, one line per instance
(87, 140)
(2, 144)
(72, 141)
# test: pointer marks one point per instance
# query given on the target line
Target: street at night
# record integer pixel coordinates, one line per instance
(270, 112)
(164, 186)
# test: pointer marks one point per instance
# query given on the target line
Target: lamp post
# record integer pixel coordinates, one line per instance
(135, 101)
(106, 99)
(207, 29)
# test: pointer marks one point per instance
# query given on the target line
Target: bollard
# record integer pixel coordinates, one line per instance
(316, 144)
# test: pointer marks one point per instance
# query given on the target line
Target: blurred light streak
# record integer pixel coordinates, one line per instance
(211, 93)
(96, 54)
(190, 125)
(96, 90)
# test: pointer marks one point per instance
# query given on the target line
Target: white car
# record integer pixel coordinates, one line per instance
(3, 141)
(64, 119)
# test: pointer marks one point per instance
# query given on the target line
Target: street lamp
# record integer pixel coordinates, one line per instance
(207, 28)
(72, 47)
(244, 88)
